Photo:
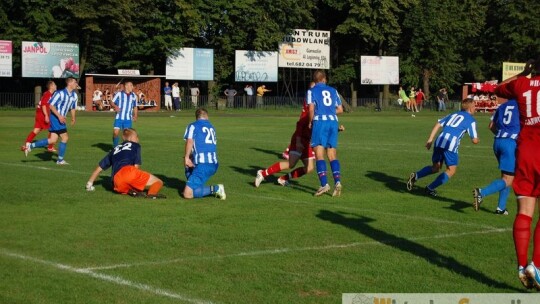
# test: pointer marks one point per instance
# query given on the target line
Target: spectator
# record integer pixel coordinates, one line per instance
(249, 92)
(412, 100)
(420, 97)
(441, 100)
(195, 92)
(230, 93)
(176, 96)
(96, 99)
(260, 93)
(403, 96)
(168, 98)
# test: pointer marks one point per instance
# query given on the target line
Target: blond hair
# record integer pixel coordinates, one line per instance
(467, 103)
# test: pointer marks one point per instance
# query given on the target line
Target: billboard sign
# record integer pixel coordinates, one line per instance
(379, 70)
(190, 64)
(305, 49)
(256, 66)
(6, 58)
(50, 59)
(510, 69)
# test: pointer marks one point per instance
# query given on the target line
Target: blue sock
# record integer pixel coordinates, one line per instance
(440, 180)
(202, 192)
(503, 197)
(334, 165)
(62, 150)
(321, 171)
(495, 186)
(40, 143)
(115, 141)
(424, 172)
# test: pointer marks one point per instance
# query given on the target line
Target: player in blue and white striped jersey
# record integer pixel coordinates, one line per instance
(62, 102)
(446, 146)
(200, 158)
(505, 125)
(125, 105)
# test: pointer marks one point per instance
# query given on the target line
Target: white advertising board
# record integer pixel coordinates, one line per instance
(256, 66)
(305, 49)
(6, 58)
(379, 70)
(190, 64)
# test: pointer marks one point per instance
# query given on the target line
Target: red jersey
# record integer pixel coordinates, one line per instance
(302, 125)
(44, 101)
(527, 93)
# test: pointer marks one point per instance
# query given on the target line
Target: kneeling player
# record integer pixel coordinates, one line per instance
(125, 160)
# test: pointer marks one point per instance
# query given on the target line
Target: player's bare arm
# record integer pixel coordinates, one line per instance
(90, 183)
(434, 132)
(73, 116)
(187, 153)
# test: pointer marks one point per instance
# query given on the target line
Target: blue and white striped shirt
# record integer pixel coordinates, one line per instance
(326, 100)
(63, 101)
(454, 126)
(506, 120)
(203, 135)
(126, 103)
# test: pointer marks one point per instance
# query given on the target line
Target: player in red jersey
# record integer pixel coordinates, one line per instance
(527, 176)
(42, 116)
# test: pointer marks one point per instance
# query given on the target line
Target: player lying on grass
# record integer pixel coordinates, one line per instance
(125, 160)
(446, 146)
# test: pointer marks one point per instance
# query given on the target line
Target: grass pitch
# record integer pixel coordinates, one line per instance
(273, 244)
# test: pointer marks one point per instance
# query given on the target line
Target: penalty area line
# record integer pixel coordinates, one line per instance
(104, 277)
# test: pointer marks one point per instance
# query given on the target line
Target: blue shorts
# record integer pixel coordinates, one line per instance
(505, 151)
(56, 126)
(200, 174)
(441, 155)
(324, 133)
(122, 124)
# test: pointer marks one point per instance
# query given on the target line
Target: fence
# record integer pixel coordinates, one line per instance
(29, 100)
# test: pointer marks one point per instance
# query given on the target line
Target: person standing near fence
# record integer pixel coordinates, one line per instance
(195, 92)
(167, 91)
(404, 98)
(176, 96)
(249, 92)
(230, 93)
(420, 97)
(260, 93)
(61, 103)
(441, 100)
(42, 118)
(125, 106)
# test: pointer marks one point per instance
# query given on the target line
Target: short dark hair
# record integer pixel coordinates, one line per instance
(319, 75)
(200, 112)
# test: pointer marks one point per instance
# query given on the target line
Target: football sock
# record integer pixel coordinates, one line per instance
(334, 165)
(536, 245)
(495, 186)
(296, 173)
(424, 172)
(522, 234)
(62, 150)
(155, 187)
(272, 169)
(202, 192)
(321, 171)
(50, 145)
(503, 197)
(40, 143)
(115, 141)
(440, 180)
(30, 137)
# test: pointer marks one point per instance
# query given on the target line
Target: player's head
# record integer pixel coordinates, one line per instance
(201, 113)
(468, 105)
(128, 86)
(51, 85)
(130, 134)
(71, 83)
(319, 76)
(166, 84)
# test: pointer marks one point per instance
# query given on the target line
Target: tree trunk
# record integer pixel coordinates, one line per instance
(426, 75)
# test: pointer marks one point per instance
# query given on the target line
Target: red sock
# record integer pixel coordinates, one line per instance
(536, 244)
(522, 234)
(275, 168)
(30, 137)
(155, 187)
(50, 145)
(298, 172)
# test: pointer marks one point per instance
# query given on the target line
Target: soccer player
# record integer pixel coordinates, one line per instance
(324, 105)
(446, 146)
(527, 176)
(61, 103)
(200, 158)
(125, 106)
(42, 121)
(505, 125)
(127, 178)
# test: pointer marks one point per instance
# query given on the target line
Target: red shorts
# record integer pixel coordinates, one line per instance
(306, 153)
(527, 178)
(129, 177)
(40, 121)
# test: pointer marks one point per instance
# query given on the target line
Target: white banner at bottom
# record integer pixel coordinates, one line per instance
(440, 298)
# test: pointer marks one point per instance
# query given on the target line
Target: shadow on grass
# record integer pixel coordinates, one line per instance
(270, 152)
(103, 146)
(399, 185)
(172, 182)
(105, 182)
(361, 225)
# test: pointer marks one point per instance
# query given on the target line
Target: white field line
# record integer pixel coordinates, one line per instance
(359, 210)
(43, 168)
(293, 250)
(112, 279)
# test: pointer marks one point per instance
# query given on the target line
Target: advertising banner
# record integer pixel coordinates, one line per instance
(190, 64)
(510, 69)
(439, 298)
(256, 66)
(305, 49)
(379, 70)
(6, 58)
(50, 59)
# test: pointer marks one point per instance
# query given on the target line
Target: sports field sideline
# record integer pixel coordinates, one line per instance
(273, 244)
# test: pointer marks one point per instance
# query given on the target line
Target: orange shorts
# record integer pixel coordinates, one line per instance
(129, 177)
